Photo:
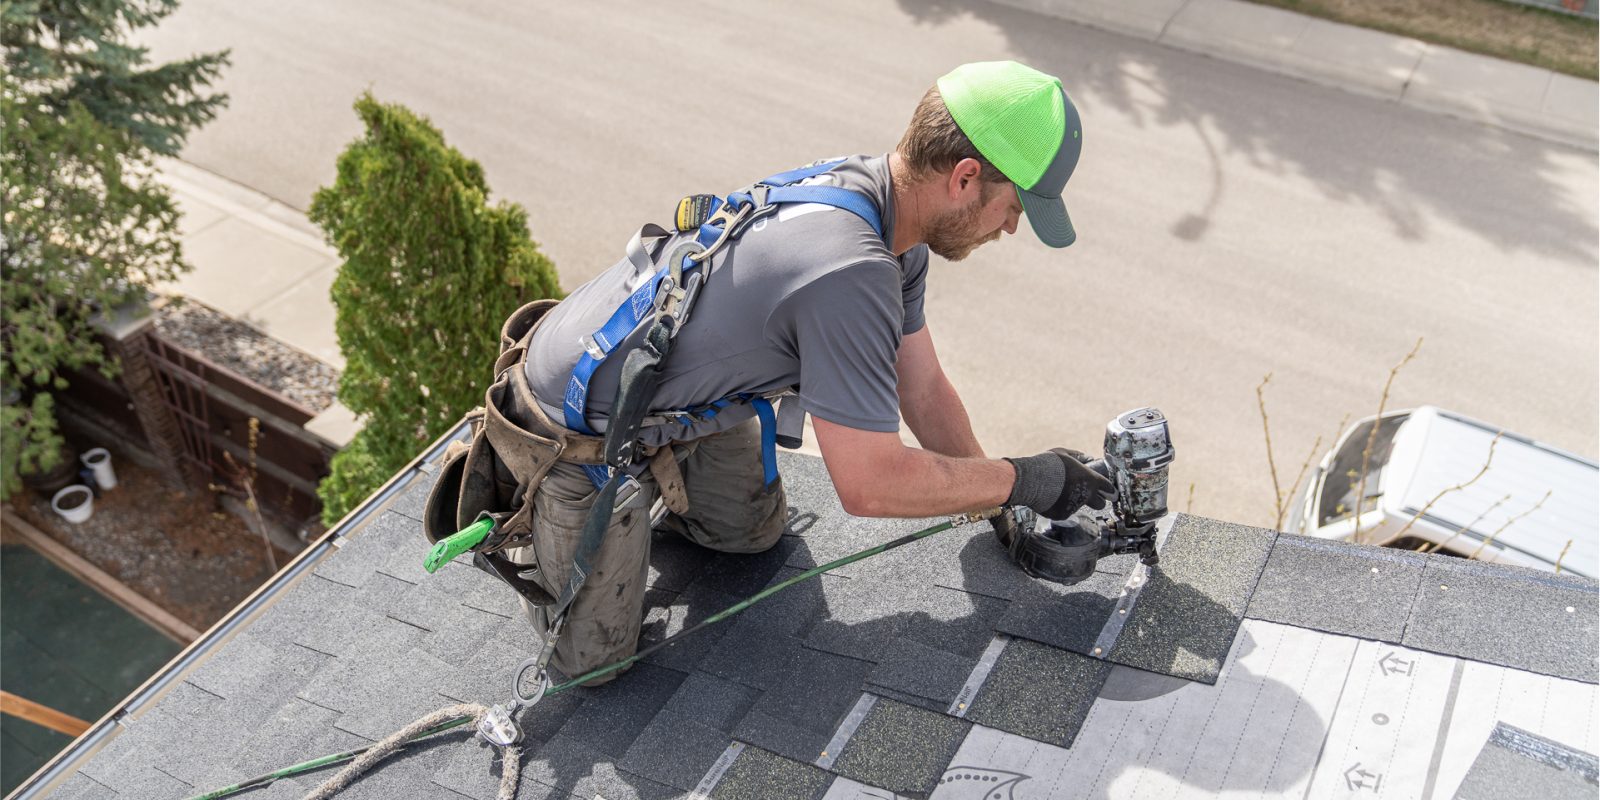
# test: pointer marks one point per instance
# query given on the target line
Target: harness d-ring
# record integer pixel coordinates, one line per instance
(528, 700)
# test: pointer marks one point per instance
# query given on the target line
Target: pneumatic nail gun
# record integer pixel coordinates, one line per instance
(1138, 455)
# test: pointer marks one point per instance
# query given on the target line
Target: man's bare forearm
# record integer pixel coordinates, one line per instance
(921, 483)
(939, 420)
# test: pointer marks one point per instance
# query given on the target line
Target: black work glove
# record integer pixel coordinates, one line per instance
(1057, 483)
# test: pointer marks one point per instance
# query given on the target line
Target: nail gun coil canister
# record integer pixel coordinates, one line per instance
(1139, 452)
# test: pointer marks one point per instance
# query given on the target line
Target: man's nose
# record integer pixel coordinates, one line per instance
(1011, 223)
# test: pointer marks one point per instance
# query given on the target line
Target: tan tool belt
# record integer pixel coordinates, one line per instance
(502, 467)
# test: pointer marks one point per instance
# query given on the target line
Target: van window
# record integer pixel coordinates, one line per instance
(1338, 499)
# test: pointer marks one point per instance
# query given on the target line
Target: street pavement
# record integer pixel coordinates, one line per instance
(1233, 222)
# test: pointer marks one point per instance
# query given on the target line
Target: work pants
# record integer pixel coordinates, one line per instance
(730, 510)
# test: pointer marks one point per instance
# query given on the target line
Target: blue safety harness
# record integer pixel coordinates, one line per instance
(727, 219)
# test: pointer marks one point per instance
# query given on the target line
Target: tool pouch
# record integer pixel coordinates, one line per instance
(502, 467)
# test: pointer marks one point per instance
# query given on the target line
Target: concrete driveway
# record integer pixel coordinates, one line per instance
(1231, 222)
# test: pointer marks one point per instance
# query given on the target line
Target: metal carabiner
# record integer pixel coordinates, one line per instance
(729, 223)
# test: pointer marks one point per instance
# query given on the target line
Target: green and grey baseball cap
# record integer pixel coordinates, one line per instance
(1025, 124)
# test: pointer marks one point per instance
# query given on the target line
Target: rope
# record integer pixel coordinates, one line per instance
(509, 768)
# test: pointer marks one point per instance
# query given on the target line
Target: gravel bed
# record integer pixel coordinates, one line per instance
(171, 546)
(249, 352)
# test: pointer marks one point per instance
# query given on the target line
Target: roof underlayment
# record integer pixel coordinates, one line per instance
(1248, 662)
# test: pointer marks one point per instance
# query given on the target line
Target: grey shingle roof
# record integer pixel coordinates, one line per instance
(367, 641)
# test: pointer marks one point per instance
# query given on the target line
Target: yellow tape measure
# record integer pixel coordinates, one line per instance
(693, 211)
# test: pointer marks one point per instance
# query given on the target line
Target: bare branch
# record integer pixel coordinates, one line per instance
(1564, 549)
(1304, 465)
(1437, 546)
(1507, 524)
(1442, 492)
(243, 481)
(1266, 431)
(1189, 506)
(1372, 437)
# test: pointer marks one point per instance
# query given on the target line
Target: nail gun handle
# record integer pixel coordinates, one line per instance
(457, 543)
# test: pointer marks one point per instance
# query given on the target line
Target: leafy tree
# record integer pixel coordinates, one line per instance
(430, 271)
(85, 226)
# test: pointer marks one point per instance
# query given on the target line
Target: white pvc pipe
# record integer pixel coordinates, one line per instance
(76, 513)
(99, 460)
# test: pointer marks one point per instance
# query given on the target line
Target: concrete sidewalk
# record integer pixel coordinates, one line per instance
(261, 262)
(1514, 96)
(255, 259)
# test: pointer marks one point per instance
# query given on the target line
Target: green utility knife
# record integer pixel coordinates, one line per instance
(457, 543)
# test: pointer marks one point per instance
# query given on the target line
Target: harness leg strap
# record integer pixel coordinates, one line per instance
(769, 439)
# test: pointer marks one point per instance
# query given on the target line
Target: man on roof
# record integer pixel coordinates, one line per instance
(816, 303)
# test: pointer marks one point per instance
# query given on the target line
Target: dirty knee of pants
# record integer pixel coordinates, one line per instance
(584, 647)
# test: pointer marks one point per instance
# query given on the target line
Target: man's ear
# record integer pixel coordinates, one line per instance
(965, 182)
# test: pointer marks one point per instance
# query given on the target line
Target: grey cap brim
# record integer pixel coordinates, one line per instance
(1048, 216)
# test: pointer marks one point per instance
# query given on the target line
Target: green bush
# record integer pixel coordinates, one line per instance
(430, 271)
(86, 227)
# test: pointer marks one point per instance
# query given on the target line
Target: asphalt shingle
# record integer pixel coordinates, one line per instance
(360, 555)
(1188, 613)
(1485, 612)
(675, 749)
(750, 655)
(782, 736)
(319, 614)
(80, 787)
(458, 634)
(864, 616)
(711, 701)
(370, 642)
(573, 767)
(814, 690)
(414, 497)
(1338, 587)
(915, 669)
(404, 543)
(1039, 692)
(1068, 617)
(1516, 763)
(762, 775)
(473, 768)
(675, 562)
(744, 574)
(667, 614)
(255, 677)
(901, 748)
(296, 731)
(356, 677)
(615, 713)
(407, 773)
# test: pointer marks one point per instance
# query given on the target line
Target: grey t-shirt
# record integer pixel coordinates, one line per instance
(809, 299)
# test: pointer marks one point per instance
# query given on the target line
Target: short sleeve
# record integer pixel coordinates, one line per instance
(913, 284)
(844, 329)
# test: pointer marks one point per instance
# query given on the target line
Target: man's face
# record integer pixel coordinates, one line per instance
(955, 234)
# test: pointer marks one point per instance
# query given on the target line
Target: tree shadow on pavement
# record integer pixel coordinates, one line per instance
(1401, 162)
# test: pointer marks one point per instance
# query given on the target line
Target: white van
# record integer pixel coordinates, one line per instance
(1422, 452)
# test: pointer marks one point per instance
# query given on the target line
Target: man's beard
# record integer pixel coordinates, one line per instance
(953, 235)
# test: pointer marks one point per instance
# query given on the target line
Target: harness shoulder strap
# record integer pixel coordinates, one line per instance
(729, 221)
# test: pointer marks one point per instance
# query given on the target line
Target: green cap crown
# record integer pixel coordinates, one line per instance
(1024, 123)
(1012, 113)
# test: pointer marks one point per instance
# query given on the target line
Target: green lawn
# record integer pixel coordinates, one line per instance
(1496, 28)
